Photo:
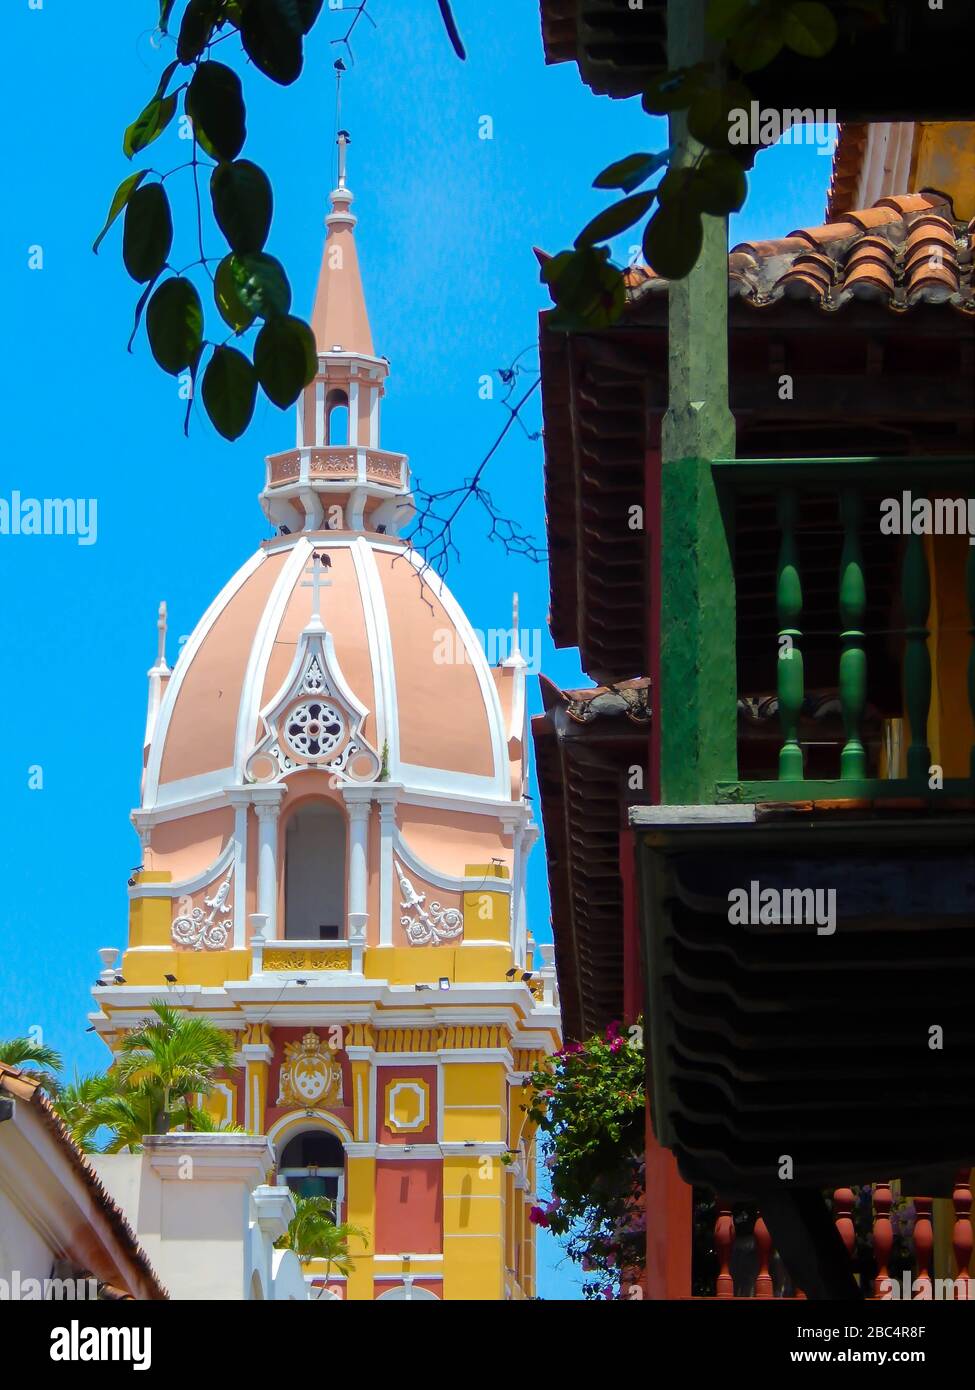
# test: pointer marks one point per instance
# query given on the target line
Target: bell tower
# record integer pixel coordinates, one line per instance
(337, 477)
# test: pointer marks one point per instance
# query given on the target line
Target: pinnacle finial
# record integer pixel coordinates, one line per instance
(161, 627)
(343, 140)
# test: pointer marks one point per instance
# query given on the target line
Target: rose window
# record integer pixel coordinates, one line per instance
(314, 729)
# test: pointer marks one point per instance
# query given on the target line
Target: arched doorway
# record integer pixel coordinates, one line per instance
(407, 1292)
(312, 1164)
(315, 873)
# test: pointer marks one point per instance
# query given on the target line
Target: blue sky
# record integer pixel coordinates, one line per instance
(446, 225)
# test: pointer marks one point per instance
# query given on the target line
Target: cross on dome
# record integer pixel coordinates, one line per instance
(319, 564)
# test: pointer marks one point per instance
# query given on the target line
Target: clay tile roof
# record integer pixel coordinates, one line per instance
(27, 1090)
(904, 251)
(851, 147)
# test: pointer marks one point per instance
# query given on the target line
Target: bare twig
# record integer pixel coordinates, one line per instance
(437, 512)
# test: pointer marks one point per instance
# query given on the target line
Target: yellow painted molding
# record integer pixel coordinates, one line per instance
(150, 921)
(406, 1104)
(189, 967)
(360, 1207)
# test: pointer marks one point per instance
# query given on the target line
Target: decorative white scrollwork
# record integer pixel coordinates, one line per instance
(313, 682)
(204, 928)
(428, 925)
(313, 728)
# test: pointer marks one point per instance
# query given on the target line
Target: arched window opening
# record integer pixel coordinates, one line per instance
(312, 1164)
(336, 418)
(314, 885)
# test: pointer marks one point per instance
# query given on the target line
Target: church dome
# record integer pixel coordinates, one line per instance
(333, 706)
(412, 685)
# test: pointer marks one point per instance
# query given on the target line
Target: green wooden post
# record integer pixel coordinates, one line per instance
(697, 700)
(916, 593)
(970, 572)
(788, 594)
(853, 657)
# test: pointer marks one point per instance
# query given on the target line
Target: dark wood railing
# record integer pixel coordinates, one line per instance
(839, 489)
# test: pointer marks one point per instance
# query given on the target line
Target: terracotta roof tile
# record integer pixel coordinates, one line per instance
(904, 251)
(27, 1090)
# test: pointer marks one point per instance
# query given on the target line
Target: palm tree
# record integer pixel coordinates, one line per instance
(200, 1121)
(78, 1105)
(314, 1234)
(171, 1057)
(128, 1114)
(34, 1060)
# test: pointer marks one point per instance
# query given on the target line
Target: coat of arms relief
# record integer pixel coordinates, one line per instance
(311, 1074)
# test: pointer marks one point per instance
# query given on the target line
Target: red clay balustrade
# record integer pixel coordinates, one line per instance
(922, 1281)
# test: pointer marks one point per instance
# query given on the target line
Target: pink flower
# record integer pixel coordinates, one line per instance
(616, 1044)
(537, 1217)
(613, 1030)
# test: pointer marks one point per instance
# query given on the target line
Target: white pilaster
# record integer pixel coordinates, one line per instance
(353, 412)
(319, 413)
(358, 801)
(387, 799)
(240, 801)
(267, 804)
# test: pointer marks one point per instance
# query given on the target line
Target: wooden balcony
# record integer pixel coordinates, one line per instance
(844, 631)
(898, 1247)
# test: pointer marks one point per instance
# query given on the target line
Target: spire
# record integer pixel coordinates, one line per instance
(339, 320)
(159, 674)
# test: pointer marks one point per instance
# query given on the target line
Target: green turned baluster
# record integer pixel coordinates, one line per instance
(970, 570)
(788, 596)
(916, 591)
(853, 657)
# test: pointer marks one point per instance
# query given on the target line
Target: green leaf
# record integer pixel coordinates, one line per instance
(242, 204)
(674, 90)
(810, 28)
(149, 125)
(310, 10)
(611, 221)
(675, 184)
(290, 15)
(196, 30)
(725, 16)
(758, 41)
(269, 43)
(215, 105)
(588, 290)
(174, 323)
(709, 118)
(262, 285)
(672, 239)
(719, 185)
(143, 300)
(165, 10)
(226, 294)
(122, 195)
(148, 234)
(630, 172)
(166, 75)
(229, 391)
(286, 359)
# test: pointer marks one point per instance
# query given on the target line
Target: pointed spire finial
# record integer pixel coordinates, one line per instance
(343, 140)
(161, 627)
(514, 657)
